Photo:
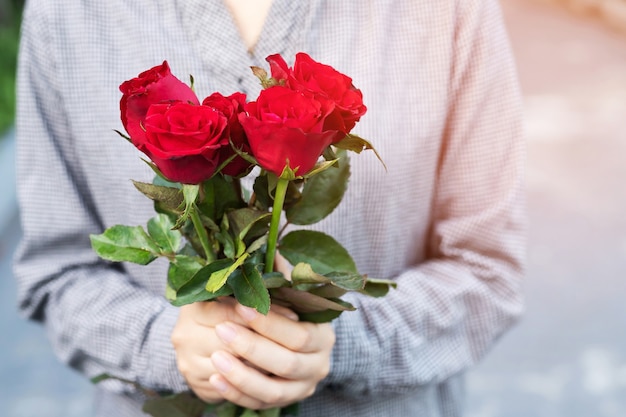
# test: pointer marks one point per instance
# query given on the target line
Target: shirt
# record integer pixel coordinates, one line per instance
(446, 220)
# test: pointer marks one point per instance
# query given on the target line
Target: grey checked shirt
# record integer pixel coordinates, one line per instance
(446, 220)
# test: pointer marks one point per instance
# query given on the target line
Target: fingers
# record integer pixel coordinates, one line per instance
(262, 353)
(249, 388)
(296, 336)
(198, 378)
(261, 369)
(194, 340)
(282, 265)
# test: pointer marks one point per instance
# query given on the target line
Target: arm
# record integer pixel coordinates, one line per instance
(449, 310)
(97, 320)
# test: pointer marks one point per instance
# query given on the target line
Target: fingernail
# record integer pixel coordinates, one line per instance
(221, 362)
(247, 313)
(218, 383)
(226, 332)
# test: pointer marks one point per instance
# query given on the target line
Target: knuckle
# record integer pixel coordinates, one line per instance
(246, 348)
(183, 368)
(177, 337)
(301, 341)
(260, 324)
(290, 366)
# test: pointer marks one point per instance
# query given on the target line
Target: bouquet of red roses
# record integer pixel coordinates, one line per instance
(221, 239)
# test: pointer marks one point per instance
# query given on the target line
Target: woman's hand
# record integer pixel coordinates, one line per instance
(269, 361)
(195, 340)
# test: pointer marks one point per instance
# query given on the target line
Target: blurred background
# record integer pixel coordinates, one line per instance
(567, 357)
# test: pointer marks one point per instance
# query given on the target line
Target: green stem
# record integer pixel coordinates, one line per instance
(277, 209)
(202, 234)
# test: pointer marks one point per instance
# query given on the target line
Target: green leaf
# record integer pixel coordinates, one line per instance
(320, 316)
(182, 269)
(350, 281)
(169, 197)
(155, 169)
(262, 192)
(320, 167)
(99, 378)
(270, 412)
(123, 135)
(321, 251)
(249, 413)
(302, 273)
(378, 287)
(160, 229)
(275, 280)
(104, 377)
(170, 293)
(321, 194)
(224, 237)
(178, 405)
(220, 194)
(194, 290)
(226, 409)
(328, 291)
(249, 288)
(290, 410)
(357, 144)
(190, 194)
(244, 220)
(257, 244)
(218, 278)
(302, 301)
(125, 243)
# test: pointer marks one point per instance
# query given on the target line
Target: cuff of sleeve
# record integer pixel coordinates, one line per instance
(160, 370)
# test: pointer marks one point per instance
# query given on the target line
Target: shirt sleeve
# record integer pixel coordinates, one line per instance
(448, 311)
(98, 321)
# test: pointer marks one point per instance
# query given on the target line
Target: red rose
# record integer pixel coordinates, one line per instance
(231, 107)
(184, 140)
(323, 80)
(156, 85)
(285, 126)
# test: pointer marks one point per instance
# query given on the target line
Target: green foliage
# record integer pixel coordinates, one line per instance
(321, 193)
(322, 252)
(178, 405)
(9, 41)
(249, 288)
(167, 199)
(125, 243)
(194, 288)
(160, 229)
